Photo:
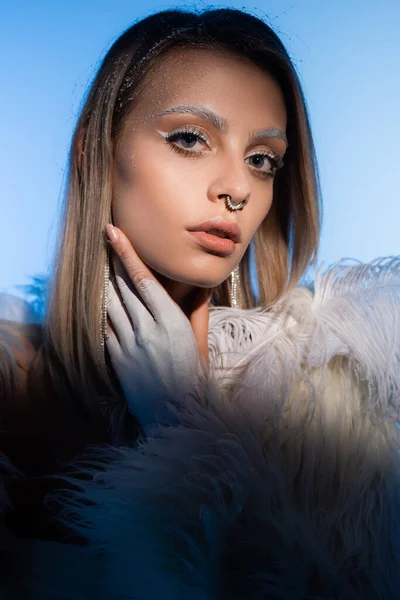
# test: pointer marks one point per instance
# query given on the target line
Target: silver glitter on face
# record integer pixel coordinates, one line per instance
(166, 184)
(219, 122)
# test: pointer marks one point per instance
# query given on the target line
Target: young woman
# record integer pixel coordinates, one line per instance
(232, 436)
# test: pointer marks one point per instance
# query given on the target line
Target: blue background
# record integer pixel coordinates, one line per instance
(346, 52)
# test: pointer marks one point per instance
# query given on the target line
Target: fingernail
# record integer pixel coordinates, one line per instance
(111, 233)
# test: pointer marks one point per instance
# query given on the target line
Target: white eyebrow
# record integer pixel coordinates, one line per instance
(219, 122)
(198, 111)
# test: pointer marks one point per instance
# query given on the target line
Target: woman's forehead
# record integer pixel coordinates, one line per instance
(213, 79)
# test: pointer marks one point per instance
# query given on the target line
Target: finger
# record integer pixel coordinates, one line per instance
(118, 317)
(113, 347)
(137, 310)
(150, 290)
(199, 320)
(135, 267)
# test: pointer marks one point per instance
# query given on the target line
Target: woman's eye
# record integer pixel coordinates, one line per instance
(186, 140)
(264, 163)
(192, 143)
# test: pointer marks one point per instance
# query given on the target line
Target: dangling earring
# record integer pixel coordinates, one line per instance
(103, 315)
(236, 288)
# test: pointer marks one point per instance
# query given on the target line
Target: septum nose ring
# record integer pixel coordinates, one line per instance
(230, 206)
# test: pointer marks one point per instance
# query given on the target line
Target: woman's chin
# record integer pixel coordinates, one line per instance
(194, 278)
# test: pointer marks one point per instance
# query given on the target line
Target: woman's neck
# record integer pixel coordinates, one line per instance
(181, 293)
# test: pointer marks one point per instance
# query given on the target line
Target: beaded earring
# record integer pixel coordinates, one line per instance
(236, 288)
(104, 298)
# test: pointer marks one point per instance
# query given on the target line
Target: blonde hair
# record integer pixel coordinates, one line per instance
(283, 246)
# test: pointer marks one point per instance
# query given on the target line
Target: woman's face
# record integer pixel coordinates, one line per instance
(207, 125)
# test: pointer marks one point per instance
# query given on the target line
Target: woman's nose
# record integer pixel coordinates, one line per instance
(233, 181)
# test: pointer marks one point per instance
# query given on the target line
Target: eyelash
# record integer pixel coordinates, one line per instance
(170, 139)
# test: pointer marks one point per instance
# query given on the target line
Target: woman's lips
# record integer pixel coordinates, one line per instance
(223, 246)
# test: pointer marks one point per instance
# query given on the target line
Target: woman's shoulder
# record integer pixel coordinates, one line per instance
(20, 337)
(18, 319)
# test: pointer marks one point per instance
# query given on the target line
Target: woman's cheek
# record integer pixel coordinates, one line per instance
(158, 176)
(265, 208)
(257, 221)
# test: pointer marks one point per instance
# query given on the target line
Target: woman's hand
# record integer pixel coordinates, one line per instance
(154, 347)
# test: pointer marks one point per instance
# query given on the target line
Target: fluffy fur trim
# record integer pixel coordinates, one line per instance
(8, 550)
(38, 570)
(354, 313)
(284, 485)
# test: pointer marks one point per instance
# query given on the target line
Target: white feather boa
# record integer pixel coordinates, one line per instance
(284, 484)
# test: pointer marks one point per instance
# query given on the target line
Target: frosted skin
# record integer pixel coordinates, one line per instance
(159, 194)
